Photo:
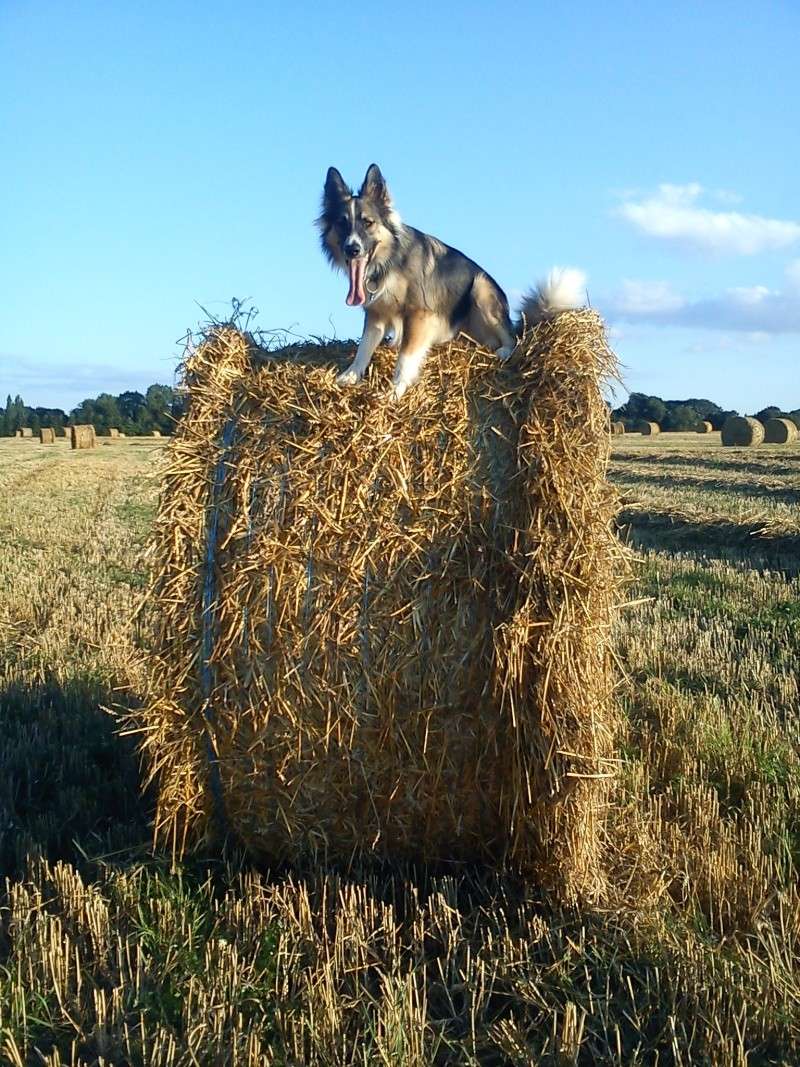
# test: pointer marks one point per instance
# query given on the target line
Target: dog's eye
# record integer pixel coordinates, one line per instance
(369, 223)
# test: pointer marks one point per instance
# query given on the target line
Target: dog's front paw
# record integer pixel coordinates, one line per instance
(504, 352)
(348, 377)
(398, 390)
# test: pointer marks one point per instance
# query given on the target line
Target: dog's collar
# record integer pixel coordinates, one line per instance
(373, 293)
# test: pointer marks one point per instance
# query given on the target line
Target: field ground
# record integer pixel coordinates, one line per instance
(109, 955)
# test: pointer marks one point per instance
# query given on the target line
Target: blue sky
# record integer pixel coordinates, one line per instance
(160, 156)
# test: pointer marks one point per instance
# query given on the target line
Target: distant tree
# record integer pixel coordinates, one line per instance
(640, 408)
(681, 417)
(706, 409)
(130, 405)
(54, 417)
(84, 413)
(717, 421)
(107, 413)
(159, 400)
(770, 413)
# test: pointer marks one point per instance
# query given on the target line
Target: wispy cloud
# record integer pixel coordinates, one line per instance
(756, 310)
(673, 214)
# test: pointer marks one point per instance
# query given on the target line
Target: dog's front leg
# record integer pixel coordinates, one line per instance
(420, 331)
(407, 371)
(370, 339)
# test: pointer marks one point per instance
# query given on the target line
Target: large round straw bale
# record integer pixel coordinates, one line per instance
(383, 629)
(617, 428)
(704, 427)
(47, 435)
(742, 430)
(83, 437)
(26, 431)
(113, 431)
(649, 428)
(18, 433)
(156, 433)
(779, 431)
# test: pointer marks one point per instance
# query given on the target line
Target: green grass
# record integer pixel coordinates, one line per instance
(110, 954)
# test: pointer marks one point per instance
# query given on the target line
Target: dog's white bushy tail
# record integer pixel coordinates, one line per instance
(563, 289)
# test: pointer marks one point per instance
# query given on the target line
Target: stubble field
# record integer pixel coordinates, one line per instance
(109, 954)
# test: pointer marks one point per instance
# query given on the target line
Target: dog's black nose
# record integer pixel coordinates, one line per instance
(352, 249)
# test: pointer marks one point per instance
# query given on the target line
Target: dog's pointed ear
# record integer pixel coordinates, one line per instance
(335, 187)
(374, 185)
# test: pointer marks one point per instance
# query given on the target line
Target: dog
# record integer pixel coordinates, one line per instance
(416, 290)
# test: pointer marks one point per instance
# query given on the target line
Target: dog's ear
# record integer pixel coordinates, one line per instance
(374, 185)
(335, 188)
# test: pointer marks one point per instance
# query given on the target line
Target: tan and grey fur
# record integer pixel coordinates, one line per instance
(415, 289)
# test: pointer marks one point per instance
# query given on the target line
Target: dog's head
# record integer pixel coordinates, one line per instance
(358, 231)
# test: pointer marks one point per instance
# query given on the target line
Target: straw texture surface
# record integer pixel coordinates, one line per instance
(649, 428)
(742, 430)
(385, 629)
(82, 437)
(779, 431)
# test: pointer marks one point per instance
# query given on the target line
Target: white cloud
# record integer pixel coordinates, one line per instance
(638, 298)
(726, 342)
(673, 214)
(793, 275)
(754, 310)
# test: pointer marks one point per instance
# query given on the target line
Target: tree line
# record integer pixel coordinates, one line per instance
(686, 414)
(131, 412)
(136, 413)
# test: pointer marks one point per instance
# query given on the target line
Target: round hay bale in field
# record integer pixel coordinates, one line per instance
(742, 430)
(47, 435)
(18, 433)
(384, 629)
(156, 433)
(705, 427)
(617, 428)
(26, 431)
(113, 431)
(649, 428)
(779, 431)
(83, 437)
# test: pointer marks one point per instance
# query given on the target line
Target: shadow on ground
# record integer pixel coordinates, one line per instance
(743, 543)
(69, 784)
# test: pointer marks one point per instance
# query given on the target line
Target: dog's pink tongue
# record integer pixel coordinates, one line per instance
(356, 295)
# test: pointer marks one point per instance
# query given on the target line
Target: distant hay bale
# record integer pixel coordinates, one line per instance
(742, 430)
(47, 435)
(649, 428)
(18, 433)
(704, 427)
(156, 433)
(26, 431)
(113, 431)
(83, 437)
(384, 630)
(617, 428)
(779, 431)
